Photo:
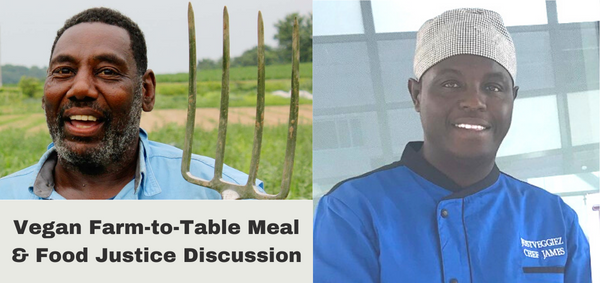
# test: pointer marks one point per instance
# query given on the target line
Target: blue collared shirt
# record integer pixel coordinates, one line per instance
(158, 176)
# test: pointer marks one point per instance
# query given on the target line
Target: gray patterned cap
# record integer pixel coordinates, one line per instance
(464, 31)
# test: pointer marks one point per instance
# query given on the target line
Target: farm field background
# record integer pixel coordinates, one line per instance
(24, 135)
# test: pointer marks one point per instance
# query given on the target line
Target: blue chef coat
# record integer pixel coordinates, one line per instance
(408, 222)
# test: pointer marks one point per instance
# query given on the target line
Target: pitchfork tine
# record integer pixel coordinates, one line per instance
(288, 165)
(191, 115)
(224, 111)
(260, 104)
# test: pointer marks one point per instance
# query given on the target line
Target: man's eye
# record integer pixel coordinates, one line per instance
(63, 71)
(493, 88)
(450, 84)
(108, 72)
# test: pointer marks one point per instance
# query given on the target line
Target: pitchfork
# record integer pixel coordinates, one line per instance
(226, 189)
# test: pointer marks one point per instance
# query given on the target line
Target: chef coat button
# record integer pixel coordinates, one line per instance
(453, 281)
(445, 214)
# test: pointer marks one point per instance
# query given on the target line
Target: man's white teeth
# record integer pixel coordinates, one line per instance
(82, 127)
(470, 127)
(83, 118)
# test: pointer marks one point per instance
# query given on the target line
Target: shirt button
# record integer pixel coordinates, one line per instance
(445, 214)
(453, 281)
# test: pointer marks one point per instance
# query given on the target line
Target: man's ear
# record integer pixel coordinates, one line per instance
(515, 91)
(148, 90)
(414, 88)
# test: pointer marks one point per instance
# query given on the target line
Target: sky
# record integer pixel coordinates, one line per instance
(28, 28)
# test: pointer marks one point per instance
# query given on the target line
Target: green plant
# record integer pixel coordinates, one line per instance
(29, 86)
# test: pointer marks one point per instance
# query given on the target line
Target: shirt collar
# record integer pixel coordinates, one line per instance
(149, 183)
(43, 184)
(413, 159)
(140, 169)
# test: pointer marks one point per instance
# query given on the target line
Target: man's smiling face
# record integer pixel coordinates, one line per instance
(465, 103)
(92, 96)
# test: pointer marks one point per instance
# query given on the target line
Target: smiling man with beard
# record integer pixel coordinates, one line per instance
(97, 86)
(445, 212)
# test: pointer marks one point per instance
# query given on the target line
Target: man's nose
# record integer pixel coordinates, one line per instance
(83, 87)
(473, 99)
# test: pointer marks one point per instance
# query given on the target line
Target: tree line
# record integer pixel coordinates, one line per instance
(12, 74)
(282, 54)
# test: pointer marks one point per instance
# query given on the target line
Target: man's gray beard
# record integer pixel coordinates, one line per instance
(111, 152)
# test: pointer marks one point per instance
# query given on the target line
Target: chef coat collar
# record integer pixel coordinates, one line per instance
(414, 160)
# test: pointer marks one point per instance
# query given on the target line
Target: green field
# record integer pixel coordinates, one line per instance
(19, 150)
(238, 152)
(242, 93)
(13, 102)
(273, 72)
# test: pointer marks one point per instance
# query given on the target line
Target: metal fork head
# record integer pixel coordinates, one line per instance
(249, 190)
